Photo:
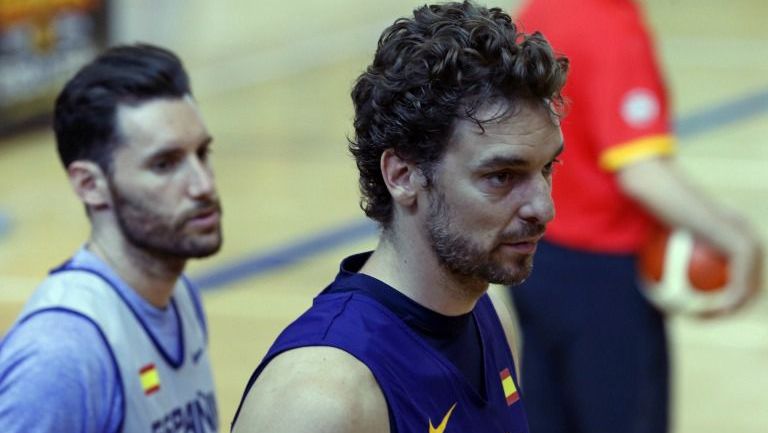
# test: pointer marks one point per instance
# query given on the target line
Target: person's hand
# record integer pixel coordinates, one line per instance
(746, 258)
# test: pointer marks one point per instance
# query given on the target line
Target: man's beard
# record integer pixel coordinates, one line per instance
(463, 257)
(158, 234)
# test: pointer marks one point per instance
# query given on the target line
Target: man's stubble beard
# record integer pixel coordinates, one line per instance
(154, 233)
(464, 258)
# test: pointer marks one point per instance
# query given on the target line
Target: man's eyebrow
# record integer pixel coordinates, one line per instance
(511, 160)
(175, 147)
(502, 161)
(205, 141)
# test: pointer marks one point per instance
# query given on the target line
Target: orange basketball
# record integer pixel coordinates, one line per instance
(681, 272)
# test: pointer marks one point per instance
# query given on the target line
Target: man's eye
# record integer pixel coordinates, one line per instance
(550, 168)
(204, 153)
(163, 165)
(499, 179)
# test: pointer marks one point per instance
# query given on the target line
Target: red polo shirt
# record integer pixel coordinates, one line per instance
(618, 115)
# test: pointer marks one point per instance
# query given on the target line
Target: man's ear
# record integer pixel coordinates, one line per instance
(403, 179)
(90, 184)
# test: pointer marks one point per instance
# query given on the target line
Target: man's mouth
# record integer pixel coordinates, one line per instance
(521, 247)
(525, 244)
(204, 219)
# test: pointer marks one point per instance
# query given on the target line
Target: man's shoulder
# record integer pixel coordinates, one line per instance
(65, 285)
(76, 292)
(314, 389)
(334, 315)
(338, 367)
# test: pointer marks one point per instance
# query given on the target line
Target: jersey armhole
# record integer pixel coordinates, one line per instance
(112, 357)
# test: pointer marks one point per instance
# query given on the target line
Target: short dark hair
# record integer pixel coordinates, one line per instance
(433, 69)
(85, 111)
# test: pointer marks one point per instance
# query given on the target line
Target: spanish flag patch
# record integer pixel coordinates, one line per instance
(510, 390)
(150, 379)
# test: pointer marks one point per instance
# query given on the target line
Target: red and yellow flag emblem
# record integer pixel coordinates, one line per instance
(150, 379)
(510, 390)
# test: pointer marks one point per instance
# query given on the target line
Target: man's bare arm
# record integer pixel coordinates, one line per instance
(314, 390)
(661, 188)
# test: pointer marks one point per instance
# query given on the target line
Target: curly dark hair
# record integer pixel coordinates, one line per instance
(433, 69)
(85, 110)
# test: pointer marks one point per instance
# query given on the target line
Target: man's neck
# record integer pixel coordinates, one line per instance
(152, 276)
(407, 263)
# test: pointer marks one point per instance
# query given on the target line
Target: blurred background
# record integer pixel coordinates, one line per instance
(273, 80)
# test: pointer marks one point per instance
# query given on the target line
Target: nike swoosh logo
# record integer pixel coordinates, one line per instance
(441, 428)
(196, 356)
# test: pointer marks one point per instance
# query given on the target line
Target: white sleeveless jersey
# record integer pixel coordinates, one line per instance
(160, 395)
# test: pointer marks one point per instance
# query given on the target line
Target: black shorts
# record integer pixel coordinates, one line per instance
(594, 356)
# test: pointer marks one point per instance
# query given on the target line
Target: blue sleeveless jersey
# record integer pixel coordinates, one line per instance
(425, 393)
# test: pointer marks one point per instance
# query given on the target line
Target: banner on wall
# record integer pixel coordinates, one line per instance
(42, 44)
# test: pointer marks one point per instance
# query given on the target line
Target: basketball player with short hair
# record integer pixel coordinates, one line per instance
(456, 135)
(114, 340)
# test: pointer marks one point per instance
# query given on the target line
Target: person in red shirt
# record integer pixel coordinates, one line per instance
(594, 350)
